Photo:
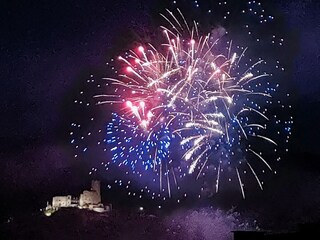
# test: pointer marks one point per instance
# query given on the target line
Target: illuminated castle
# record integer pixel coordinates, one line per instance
(89, 199)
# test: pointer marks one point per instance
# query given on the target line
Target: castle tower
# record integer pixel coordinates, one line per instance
(95, 186)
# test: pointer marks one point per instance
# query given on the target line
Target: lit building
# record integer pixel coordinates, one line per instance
(89, 199)
(61, 201)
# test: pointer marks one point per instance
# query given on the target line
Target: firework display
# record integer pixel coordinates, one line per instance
(196, 106)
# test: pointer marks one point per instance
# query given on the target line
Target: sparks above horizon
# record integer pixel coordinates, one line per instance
(196, 104)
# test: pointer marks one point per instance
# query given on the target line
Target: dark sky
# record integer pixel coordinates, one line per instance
(47, 48)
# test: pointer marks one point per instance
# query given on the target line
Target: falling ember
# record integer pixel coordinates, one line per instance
(141, 49)
(144, 123)
(129, 104)
(129, 69)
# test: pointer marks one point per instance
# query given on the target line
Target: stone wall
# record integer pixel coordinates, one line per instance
(61, 201)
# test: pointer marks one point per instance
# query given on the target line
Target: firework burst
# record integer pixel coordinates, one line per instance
(195, 95)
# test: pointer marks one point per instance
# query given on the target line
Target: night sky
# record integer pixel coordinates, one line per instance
(49, 48)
